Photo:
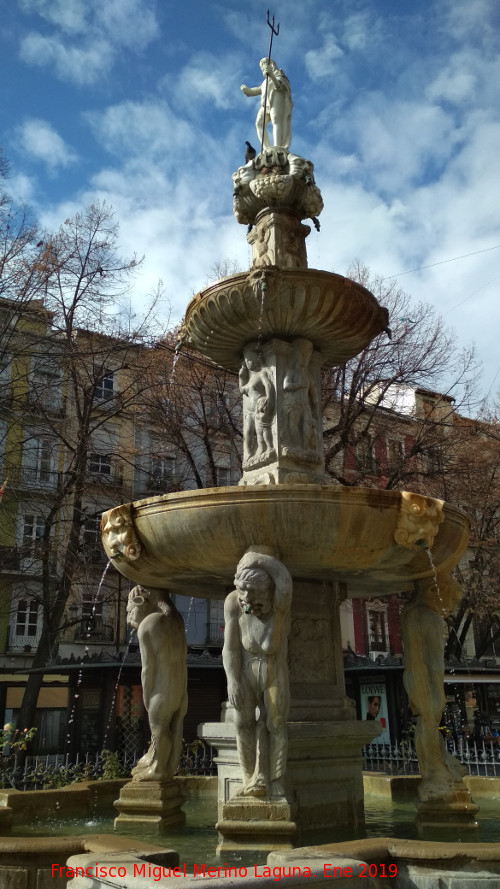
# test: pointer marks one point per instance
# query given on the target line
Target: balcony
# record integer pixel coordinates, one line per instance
(40, 479)
(215, 633)
(22, 644)
(10, 558)
(93, 629)
(45, 404)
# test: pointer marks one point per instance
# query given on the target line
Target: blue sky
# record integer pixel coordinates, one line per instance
(397, 104)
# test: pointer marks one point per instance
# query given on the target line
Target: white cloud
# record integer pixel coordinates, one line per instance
(22, 189)
(38, 139)
(208, 80)
(129, 23)
(69, 15)
(358, 31)
(398, 142)
(321, 62)
(149, 130)
(471, 21)
(87, 36)
(80, 64)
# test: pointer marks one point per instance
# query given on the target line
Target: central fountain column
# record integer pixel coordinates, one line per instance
(280, 382)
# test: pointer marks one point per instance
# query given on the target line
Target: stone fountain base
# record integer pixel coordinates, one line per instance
(324, 784)
(155, 805)
(254, 824)
(453, 808)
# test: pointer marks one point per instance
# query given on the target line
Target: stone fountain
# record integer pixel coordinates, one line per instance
(286, 546)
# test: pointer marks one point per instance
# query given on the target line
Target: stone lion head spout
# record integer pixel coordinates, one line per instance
(118, 535)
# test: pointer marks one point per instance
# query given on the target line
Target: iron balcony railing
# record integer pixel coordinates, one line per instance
(215, 633)
(93, 629)
(22, 643)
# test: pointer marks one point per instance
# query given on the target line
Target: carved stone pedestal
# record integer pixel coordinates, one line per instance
(256, 824)
(454, 808)
(324, 784)
(278, 239)
(152, 804)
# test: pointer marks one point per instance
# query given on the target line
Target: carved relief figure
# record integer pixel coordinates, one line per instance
(300, 401)
(257, 616)
(310, 650)
(422, 624)
(278, 107)
(257, 388)
(162, 643)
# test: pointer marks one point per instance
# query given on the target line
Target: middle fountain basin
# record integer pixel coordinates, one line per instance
(372, 541)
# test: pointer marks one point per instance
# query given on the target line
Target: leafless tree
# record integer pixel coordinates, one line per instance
(368, 396)
(79, 377)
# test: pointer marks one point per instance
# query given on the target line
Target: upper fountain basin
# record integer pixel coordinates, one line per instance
(339, 316)
(373, 541)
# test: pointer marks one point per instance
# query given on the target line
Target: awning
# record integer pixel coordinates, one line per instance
(472, 679)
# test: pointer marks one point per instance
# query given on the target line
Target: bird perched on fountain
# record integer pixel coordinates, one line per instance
(250, 152)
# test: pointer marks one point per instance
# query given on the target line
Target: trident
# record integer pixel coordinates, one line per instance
(273, 32)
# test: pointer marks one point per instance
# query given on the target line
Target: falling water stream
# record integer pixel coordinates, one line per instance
(86, 651)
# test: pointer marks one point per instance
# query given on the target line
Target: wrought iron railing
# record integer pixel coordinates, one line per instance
(93, 629)
(215, 633)
(57, 769)
(401, 759)
(22, 643)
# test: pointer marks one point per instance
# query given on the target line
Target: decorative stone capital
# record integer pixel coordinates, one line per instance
(277, 179)
(278, 239)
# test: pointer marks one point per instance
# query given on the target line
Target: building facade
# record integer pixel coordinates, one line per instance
(156, 425)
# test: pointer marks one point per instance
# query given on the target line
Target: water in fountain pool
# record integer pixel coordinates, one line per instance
(196, 842)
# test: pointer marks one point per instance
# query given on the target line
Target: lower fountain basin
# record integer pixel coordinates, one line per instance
(373, 541)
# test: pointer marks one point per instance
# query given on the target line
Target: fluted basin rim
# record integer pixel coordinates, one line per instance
(191, 541)
(338, 315)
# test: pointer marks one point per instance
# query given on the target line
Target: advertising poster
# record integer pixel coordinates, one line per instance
(374, 706)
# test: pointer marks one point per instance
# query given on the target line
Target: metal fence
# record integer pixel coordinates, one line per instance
(58, 769)
(479, 759)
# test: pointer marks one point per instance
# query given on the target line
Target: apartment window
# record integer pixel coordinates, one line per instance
(100, 464)
(46, 384)
(39, 461)
(365, 457)
(91, 545)
(104, 388)
(27, 617)
(377, 630)
(3, 437)
(223, 475)
(33, 531)
(91, 530)
(394, 452)
(163, 467)
(5, 371)
(91, 607)
(434, 460)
